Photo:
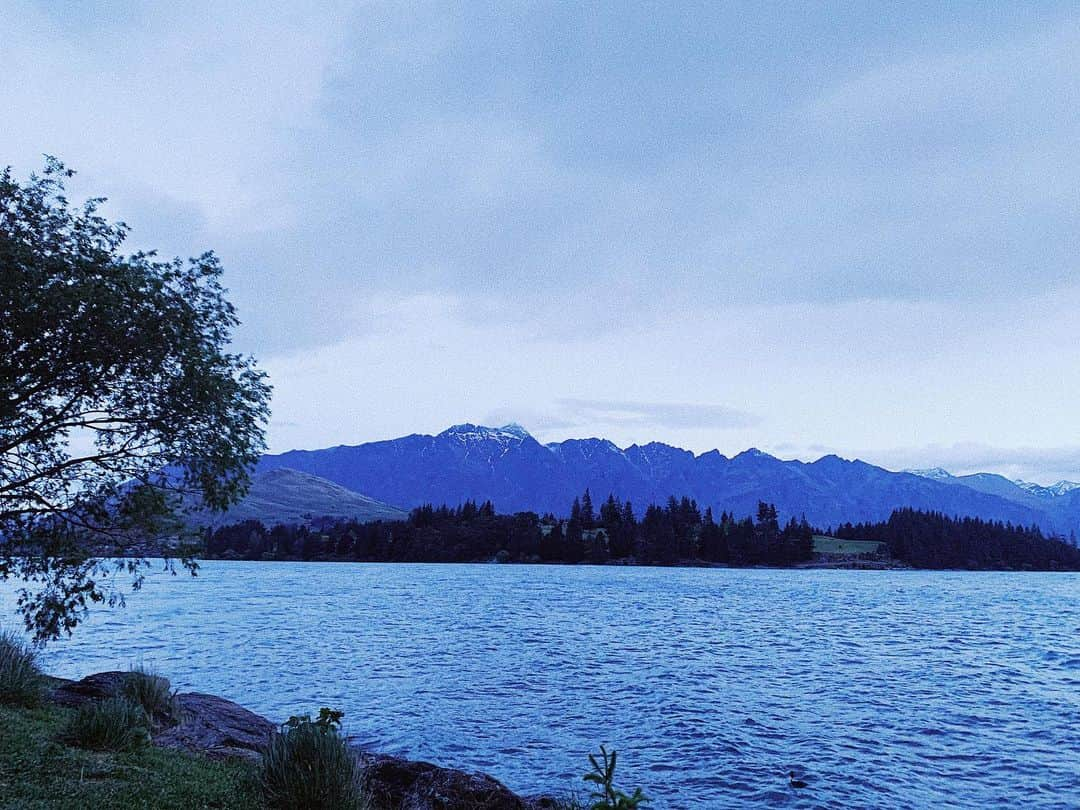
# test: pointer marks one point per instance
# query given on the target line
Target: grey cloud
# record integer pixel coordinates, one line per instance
(542, 423)
(661, 414)
(622, 161)
(570, 417)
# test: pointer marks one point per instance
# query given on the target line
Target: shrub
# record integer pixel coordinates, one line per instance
(20, 679)
(308, 766)
(115, 724)
(568, 802)
(606, 796)
(147, 689)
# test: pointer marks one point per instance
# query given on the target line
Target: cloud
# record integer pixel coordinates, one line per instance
(571, 417)
(584, 215)
(660, 414)
(580, 168)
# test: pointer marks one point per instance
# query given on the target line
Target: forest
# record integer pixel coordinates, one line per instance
(933, 540)
(677, 532)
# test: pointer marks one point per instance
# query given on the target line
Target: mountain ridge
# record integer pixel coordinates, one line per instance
(509, 467)
(287, 496)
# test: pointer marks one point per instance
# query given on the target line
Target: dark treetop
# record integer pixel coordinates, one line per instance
(676, 532)
(118, 399)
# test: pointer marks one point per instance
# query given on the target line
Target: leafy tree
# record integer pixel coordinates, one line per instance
(120, 407)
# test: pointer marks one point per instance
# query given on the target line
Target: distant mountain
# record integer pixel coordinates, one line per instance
(999, 484)
(1052, 491)
(1059, 503)
(516, 472)
(934, 474)
(281, 495)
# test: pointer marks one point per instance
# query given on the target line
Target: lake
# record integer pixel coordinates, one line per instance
(888, 689)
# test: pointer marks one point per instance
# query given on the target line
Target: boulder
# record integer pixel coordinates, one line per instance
(411, 785)
(216, 727)
(99, 686)
(220, 729)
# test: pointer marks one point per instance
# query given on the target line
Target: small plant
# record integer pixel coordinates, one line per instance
(114, 724)
(21, 683)
(147, 689)
(308, 766)
(606, 796)
(569, 802)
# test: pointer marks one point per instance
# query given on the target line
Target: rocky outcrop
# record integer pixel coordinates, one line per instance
(216, 727)
(220, 729)
(197, 723)
(412, 785)
(98, 686)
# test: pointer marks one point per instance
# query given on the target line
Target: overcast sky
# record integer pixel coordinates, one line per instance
(806, 227)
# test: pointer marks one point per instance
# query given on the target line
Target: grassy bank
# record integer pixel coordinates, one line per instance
(99, 755)
(38, 771)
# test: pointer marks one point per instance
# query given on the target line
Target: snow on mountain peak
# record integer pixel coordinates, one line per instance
(514, 429)
(468, 433)
(933, 473)
(1052, 491)
(753, 452)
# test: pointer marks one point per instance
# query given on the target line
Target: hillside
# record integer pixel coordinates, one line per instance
(282, 495)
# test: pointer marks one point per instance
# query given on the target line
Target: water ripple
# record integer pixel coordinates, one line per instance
(884, 689)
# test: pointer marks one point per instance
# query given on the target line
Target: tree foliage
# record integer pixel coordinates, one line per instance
(933, 540)
(120, 405)
(674, 533)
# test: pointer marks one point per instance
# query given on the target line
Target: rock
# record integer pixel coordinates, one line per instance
(99, 686)
(216, 727)
(410, 785)
(220, 729)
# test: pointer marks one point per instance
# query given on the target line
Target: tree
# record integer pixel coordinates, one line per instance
(712, 545)
(121, 409)
(767, 534)
(588, 517)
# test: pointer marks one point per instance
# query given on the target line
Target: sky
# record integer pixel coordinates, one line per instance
(808, 227)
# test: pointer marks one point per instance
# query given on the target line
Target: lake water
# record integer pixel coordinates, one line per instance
(883, 689)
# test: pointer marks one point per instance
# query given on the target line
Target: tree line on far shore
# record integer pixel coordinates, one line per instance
(675, 532)
(934, 540)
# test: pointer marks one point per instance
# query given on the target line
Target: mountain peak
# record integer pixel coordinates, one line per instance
(753, 452)
(514, 429)
(1052, 491)
(933, 473)
(506, 466)
(467, 431)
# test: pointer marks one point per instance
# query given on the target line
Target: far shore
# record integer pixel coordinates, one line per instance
(823, 565)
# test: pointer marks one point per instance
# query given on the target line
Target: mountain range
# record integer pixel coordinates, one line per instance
(509, 467)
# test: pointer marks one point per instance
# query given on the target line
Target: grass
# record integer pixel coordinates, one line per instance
(21, 683)
(38, 772)
(147, 689)
(832, 545)
(116, 724)
(308, 766)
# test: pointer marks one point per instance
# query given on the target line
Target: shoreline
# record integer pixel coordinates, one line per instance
(222, 730)
(837, 565)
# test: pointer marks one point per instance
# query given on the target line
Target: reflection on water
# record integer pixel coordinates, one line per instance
(884, 688)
